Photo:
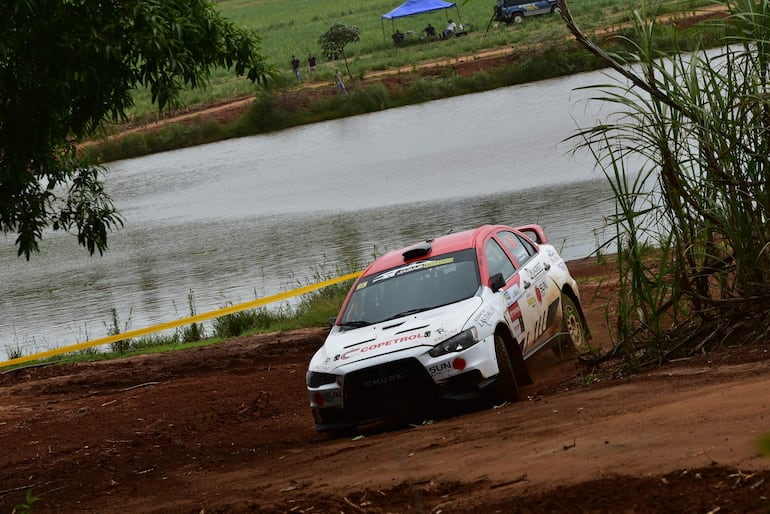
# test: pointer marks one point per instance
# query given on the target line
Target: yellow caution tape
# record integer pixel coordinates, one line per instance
(184, 321)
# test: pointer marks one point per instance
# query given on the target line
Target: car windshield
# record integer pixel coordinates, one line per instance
(411, 288)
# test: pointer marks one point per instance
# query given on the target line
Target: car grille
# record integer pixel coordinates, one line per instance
(394, 387)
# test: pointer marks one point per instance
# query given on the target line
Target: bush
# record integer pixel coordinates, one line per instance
(687, 155)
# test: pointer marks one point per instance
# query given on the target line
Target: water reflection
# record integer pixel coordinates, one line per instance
(147, 279)
(255, 216)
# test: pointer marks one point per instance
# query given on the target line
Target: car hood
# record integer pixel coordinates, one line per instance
(423, 329)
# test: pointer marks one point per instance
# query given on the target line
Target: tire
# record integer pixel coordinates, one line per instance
(517, 18)
(506, 388)
(556, 10)
(575, 335)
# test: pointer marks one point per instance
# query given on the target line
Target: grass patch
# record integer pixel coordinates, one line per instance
(293, 27)
(545, 51)
(313, 309)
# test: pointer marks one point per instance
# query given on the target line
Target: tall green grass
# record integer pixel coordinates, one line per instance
(688, 156)
(292, 27)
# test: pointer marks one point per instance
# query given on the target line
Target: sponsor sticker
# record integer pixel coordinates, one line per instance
(518, 328)
(331, 396)
(382, 380)
(483, 317)
(536, 270)
(440, 369)
(371, 347)
(412, 267)
(512, 294)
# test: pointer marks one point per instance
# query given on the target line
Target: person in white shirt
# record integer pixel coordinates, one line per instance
(451, 27)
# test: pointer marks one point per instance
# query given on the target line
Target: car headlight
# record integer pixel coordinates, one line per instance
(458, 343)
(317, 379)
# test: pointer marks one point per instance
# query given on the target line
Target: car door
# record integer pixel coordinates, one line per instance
(539, 301)
(523, 320)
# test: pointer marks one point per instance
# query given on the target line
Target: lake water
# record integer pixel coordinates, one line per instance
(244, 218)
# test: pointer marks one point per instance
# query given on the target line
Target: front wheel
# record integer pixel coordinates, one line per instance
(517, 18)
(507, 389)
(575, 333)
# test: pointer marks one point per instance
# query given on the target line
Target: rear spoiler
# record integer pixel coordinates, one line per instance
(534, 232)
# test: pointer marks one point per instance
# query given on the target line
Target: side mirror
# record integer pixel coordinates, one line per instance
(496, 282)
(332, 321)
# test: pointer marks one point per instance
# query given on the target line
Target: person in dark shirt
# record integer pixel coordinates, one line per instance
(295, 68)
(311, 63)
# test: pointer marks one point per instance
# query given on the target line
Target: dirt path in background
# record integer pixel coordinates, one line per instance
(227, 429)
(394, 78)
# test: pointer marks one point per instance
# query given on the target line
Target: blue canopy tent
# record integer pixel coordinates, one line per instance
(413, 7)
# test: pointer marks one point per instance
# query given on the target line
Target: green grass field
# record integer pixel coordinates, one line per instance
(292, 27)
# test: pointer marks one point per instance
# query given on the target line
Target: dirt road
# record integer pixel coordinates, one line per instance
(227, 429)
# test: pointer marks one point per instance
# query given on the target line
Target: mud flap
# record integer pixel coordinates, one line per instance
(519, 366)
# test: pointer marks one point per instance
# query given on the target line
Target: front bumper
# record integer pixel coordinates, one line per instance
(408, 386)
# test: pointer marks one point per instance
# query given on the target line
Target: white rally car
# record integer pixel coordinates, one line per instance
(453, 318)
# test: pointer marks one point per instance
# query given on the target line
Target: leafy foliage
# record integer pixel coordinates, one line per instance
(26, 505)
(687, 152)
(334, 40)
(67, 65)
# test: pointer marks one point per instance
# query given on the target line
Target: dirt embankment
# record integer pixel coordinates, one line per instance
(227, 428)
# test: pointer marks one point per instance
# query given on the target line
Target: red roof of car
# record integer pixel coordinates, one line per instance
(439, 246)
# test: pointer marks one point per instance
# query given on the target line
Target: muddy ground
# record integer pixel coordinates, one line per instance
(228, 429)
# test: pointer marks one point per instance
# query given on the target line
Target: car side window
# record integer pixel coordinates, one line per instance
(519, 248)
(498, 261)
(526, 243)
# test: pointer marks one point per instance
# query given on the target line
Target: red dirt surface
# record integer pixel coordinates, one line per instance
(227, 428)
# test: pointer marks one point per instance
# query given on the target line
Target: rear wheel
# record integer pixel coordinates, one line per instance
(556, 9)
(507, 388)
(517, 18)
(575, 335)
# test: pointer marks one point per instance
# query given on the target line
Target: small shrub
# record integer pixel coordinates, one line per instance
(26, 506)
(238, 323)
(194, 332)
(265, 115)
(14, 352)
(123, 345)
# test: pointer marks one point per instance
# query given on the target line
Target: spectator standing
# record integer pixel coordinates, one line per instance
(295, 68)
(311, 63)
(341, 89)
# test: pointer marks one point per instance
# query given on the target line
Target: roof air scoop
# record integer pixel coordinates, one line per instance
(420, 250)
